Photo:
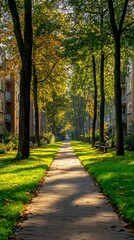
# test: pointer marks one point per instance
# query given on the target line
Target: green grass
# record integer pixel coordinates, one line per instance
(18, 181)
(114, 174)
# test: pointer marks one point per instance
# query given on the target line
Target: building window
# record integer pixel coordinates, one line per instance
(129, 88)
(129, 127)
(129, 108)
(129, 69)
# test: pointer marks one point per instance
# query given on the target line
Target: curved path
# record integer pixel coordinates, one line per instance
(70, 207)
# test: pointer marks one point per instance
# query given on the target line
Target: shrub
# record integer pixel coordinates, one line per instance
(10, 146)
(49, 137)
(129, 143)
(112, 141)
(2, 148)
(42, 141)
(15, 140)
(5, 136)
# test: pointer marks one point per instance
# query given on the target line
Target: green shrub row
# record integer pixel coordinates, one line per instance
(7, 147)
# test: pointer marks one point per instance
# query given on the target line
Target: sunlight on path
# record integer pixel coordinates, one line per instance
(70, 207)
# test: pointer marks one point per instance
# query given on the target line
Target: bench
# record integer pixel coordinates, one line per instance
(103, 147)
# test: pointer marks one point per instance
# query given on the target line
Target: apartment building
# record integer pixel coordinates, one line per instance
(130, 96)
(12, 103)
(9, 99)
(2, 89)
(9, 96)
(127, 100)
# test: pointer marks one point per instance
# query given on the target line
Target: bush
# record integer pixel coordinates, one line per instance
(129, 143)
(42, 141)
(15, 140)
(49, 137)
(112, 141)
(5, 136)
(10, 146)
(2, 148)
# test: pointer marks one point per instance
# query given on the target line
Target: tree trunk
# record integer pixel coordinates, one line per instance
(25, 50)
(95, 101)
(25, 80)
(36, 105)
(89, 128)
(102, 94)
(102, 101)
(118, 107)
(117, 31)
(53, 126)
(24, 109)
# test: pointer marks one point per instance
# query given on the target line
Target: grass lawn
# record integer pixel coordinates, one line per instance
(18, 181)
(114, 174)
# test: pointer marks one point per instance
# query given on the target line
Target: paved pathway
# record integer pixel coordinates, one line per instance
(70, 207)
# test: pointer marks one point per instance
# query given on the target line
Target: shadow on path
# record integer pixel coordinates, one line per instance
(70, 207)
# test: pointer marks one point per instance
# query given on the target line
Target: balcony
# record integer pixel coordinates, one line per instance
(7, 117)
(8, 97)
(123, 99)
(124, 118)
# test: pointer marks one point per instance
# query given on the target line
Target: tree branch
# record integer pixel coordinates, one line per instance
(123, 16)
(49, 72)
(28, 20)
(127, 26)
(112, 17)
(16, 23)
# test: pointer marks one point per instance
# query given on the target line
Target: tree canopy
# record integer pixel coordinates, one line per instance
(79, 54)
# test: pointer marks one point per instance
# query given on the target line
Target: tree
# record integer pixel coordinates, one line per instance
(117, 29)
(24, 42)
(47, 35)
(95, 100)
(35, 98)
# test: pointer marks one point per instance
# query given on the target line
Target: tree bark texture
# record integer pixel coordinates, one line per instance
(35, 89)
(25, 50)
(118, 107)
(102, 100)
(102, 94)
(95, 101)
(117, 31)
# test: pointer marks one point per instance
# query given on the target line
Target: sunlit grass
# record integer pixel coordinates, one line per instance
(114, 174)
(18, 181)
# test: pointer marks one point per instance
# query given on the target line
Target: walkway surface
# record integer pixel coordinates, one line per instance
(70, 207)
